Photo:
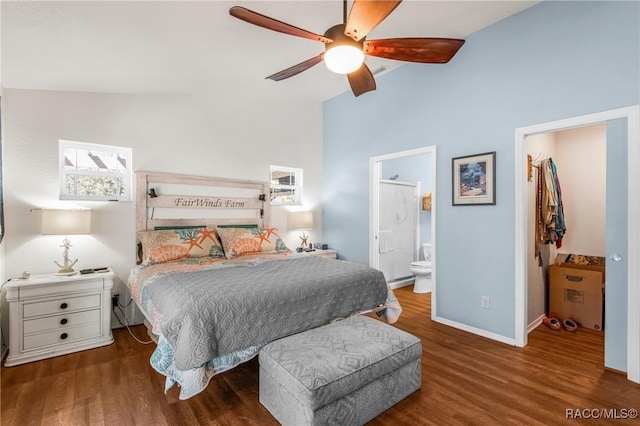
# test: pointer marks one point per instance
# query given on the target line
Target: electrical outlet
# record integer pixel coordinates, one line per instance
(114, 299)
(485, 302)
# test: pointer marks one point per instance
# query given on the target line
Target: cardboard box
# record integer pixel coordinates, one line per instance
(577, 292)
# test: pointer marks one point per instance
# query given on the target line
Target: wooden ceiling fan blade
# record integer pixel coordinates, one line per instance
(297, 69)
(365, 15)
(273, 24)
(423, 50)
(361, 80)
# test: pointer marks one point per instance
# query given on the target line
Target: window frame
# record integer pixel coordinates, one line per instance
(297, 188)
(127, 175)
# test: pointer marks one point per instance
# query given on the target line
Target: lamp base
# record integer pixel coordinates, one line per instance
(66, 267)
(303, 240)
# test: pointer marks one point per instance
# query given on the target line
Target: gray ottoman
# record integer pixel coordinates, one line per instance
(339, 374)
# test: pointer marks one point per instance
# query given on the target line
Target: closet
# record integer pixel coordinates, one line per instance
(579, 156)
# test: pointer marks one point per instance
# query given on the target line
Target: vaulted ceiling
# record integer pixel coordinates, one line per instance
(197, 47)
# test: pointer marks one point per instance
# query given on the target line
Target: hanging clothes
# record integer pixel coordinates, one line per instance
(549, 202)
(550, 221)
(539, 222)
(560, 227)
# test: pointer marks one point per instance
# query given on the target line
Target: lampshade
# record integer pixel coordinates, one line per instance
(301, 220)
(343, 55)
(343, 59)
(65, 222)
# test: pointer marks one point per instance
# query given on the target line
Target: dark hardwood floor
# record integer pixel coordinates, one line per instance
(466, 380)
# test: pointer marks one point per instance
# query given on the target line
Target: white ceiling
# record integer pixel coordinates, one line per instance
(197, 47)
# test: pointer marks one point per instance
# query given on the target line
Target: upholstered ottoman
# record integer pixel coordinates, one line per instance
(344, 373)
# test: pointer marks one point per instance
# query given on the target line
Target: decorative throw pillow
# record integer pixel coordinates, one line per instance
(239, 241)
(176, 244)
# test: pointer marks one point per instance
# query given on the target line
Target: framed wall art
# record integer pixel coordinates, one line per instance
(474, 179)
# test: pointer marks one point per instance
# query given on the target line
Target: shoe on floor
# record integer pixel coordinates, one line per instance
(570, 325)
(552, 323)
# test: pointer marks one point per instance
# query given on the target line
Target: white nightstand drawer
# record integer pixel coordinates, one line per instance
(57, 337)
(51, 315)
(42, 287)
(63, 321)
(66, 304)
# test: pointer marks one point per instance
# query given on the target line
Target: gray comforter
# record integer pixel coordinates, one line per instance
(209, 313)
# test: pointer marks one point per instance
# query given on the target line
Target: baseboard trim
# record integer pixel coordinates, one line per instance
(616, 371)
(536, 322)
(402, 283)
(473, 330)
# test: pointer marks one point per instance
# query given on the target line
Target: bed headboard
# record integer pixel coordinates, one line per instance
(165, 199)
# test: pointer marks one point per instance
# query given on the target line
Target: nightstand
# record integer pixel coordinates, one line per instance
(331, 254)
(51, 315)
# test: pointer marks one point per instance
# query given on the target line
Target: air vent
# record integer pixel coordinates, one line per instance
(379, 70)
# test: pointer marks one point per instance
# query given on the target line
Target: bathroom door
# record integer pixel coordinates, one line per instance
(398, 232)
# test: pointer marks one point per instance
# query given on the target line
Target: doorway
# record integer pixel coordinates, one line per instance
(578, 157)
(426, 157)
(625, 123)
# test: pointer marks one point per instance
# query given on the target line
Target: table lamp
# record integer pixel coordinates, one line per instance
(301, 221)
(65, 222)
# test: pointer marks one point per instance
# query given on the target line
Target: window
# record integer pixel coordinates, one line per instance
(286, 185)
(94, 172)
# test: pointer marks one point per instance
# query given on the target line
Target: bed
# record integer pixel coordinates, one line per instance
(216, 283)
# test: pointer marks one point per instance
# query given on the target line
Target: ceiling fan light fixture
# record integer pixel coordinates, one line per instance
(345, 44)
(343, 55)
(343, 59)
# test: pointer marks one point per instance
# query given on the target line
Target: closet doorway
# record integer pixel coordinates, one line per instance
(622, 340)
(579, 158)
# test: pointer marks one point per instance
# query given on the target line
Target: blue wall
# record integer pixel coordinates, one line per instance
(552, 61)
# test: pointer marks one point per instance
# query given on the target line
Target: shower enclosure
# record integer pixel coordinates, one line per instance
(398, 231)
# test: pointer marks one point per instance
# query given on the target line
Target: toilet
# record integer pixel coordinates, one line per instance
(422, 270)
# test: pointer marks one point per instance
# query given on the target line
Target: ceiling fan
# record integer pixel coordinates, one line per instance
(346, 44)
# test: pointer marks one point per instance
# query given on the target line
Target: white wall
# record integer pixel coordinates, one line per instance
(581, 161)
(235, 138)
